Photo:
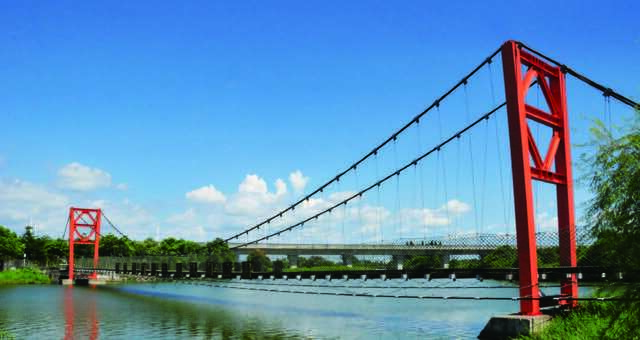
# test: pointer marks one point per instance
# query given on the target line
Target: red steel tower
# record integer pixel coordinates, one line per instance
(84, 228)
(520, 70)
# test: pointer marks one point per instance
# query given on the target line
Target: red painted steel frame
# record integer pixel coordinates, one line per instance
(86, 219)
(528, 164)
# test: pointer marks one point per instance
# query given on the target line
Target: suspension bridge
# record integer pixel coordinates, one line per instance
(401, 213)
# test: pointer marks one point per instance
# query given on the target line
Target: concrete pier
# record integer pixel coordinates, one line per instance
(510, 326)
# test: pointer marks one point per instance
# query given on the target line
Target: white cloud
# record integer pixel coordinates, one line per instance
(254, 200)
(206, 194)
(547, 222)
(298, 180)
(422, 217)
(456, 207)
(281, 187)
(122, 187)
(23, 202)
(253, 184)
(76, 176)
(133, 220)
(188, 216)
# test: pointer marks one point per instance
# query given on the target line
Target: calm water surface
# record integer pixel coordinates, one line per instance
(177, 310)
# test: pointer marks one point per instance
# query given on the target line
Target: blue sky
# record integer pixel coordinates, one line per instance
(133, 106)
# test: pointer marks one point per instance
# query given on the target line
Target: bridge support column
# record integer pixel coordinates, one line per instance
(193, 269)
(164, 269)
(347, 260)
(398, 261)
(445, 258)
(178, 270)
(246, 270)
(209, 269)
(227, 269)
(528, 164)
(293, 261)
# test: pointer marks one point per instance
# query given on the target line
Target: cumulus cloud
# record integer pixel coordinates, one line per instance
(22, 202)
(254, 199)
(281, 187)
(422, 217)
(456, 207)
(298, 180)
(132, 219)
(78, 177)
(206, 194)
(253, 184)
(188, 216)
(547, 222)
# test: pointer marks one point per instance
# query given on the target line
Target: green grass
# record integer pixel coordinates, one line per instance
(5, 335)
(595, 320)
(23, 276)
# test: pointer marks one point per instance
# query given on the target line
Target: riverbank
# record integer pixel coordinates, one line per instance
(23, 276)
(5, 335)
(595, 320)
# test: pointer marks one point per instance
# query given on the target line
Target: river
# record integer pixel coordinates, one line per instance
(178, 310)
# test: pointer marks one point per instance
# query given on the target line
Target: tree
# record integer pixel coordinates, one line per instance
(501, 257)
(314, 261)
(420, 263)
(219, 252)
(56, 250)
(10, 245)
(350, 259)
(614, 212)
(111, 245)
(34, 247)
(259, 260)
(169, 246)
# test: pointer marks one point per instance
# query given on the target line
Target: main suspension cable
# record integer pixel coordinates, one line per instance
(397, 172)
(607, 91)
(374, 151)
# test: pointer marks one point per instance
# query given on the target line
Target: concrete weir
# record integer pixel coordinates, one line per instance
(83, 282)
(509, 326)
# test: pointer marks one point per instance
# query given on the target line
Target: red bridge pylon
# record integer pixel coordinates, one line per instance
(520, 70)
(84, 228)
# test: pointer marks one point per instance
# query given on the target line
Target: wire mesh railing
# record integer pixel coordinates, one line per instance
(469, 255)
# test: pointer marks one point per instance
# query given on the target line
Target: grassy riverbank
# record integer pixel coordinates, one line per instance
(23, 276)
(596, 320)
(5, 335)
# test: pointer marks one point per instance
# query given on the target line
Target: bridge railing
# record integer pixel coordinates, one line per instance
(453, 253)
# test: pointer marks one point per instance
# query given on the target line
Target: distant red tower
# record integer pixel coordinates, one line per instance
(84, 228)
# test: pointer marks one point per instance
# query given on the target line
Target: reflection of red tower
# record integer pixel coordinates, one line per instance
(84, 228)
(70, 315)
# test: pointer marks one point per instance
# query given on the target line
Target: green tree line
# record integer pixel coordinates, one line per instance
(44, 250)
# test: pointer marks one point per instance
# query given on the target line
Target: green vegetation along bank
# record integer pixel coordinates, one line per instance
(23, 276)
(595, 320)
